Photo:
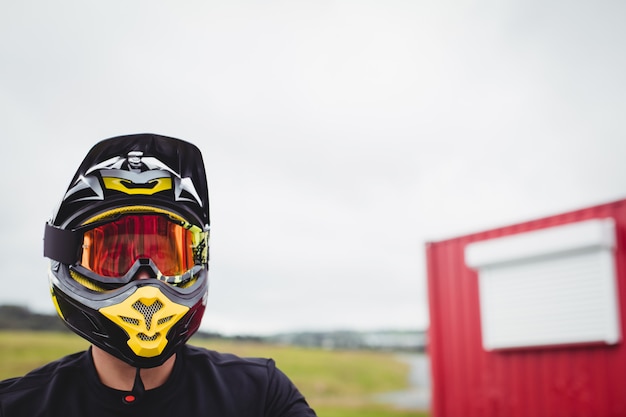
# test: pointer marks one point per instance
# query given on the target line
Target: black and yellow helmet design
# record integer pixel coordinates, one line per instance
(129, 247)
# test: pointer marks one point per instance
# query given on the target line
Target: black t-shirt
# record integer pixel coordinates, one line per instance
(202, 383)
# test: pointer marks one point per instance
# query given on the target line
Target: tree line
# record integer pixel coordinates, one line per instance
(13, 317)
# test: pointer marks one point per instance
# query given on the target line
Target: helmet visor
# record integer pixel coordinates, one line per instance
(111, 249)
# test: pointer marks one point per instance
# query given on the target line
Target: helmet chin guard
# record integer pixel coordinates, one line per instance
(128, 246)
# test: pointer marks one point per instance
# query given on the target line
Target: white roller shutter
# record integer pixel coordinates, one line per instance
(548, 287)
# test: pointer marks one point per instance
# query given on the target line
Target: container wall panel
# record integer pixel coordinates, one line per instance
(566, 380)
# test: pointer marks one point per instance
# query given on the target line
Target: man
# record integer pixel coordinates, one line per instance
(128, 249)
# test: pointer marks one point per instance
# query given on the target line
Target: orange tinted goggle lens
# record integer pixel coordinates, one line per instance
(111, 249)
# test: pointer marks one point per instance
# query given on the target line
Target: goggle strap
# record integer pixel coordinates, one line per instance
(60, 244)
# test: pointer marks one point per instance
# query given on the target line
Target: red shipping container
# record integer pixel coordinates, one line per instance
(525, 377)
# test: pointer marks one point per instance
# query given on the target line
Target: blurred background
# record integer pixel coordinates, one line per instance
(339, 136)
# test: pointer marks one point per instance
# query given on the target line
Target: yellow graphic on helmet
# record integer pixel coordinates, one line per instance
(147, 315)
(124, 185)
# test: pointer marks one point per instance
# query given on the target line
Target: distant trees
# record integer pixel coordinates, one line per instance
(14, 317)
(391, 340)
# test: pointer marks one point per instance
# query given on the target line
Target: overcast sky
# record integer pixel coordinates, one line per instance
(339, 136)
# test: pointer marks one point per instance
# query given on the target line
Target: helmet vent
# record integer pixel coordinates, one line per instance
(147, 311)
(164, 320)
(130, 320)
(144, 337)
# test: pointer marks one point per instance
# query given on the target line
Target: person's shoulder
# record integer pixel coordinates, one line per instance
(41, 377)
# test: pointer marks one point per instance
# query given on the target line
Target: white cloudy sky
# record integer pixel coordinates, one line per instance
(340, 135)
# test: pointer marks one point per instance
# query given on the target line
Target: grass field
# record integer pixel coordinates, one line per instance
(336, 383)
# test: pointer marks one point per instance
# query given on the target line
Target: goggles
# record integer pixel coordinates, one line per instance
(112, 249)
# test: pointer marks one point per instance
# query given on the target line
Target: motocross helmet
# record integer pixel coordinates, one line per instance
(136, 208)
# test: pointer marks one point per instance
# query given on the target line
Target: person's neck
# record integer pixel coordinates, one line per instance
(119, 375)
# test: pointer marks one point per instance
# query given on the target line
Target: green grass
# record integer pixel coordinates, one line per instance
(335, 383)
(21, 351)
